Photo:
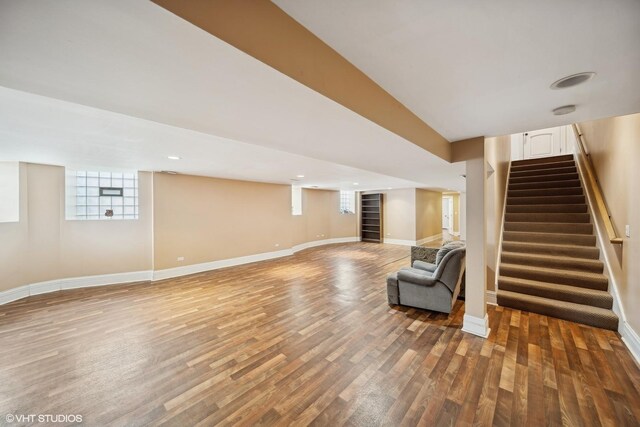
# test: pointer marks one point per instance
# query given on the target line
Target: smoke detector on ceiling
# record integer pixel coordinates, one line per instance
(572, 80)
(565, 109)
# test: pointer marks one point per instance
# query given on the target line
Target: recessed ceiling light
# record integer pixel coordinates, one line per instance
(173, 157)
(170, 172)
(355, 183)
(299, 176)
(565, 109)
(572, 80)
(389, 188)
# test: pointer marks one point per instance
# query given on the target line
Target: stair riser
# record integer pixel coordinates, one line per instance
(559, 208)
(546, 200)
(571, 315)
(545, 171)
(576, 252)
(576, 191)
(544, 276)
(544, 178)
(542, 166)
(577, 239)
(576, 218)
(549, 228)
(569, 183)
(506, 285)
(542, 160)
(577, 264)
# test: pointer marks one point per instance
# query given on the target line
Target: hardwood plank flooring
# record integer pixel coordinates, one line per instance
(303, 340)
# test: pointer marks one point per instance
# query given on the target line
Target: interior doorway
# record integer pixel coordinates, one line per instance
(447, 213)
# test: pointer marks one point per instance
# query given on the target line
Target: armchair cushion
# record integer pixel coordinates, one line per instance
(423, 265)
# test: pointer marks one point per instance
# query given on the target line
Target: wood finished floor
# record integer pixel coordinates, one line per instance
(307, 339)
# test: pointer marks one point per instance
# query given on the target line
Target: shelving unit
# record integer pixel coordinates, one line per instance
(371, 218)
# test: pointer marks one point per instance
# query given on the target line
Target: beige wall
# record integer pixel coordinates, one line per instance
(428, 213)
(615, 152)
(200, 219)
(497, 158)
(44, 246)
(399, 213)
(208, 219)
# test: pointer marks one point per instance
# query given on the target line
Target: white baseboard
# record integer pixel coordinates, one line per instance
(14, 294)
(492, 297)
(429, 239)
(631, 340)
(400, 242)
(215, 265)
(73, 283)
(308, 245)
(476, 325)
(143, 276)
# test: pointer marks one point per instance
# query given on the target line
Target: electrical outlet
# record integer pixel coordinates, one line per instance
(180, 258)
(277, 245)
(627, 230)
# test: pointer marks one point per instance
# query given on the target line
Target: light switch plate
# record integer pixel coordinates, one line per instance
(627, 230)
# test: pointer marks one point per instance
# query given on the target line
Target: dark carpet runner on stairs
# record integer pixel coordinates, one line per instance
(550, 262)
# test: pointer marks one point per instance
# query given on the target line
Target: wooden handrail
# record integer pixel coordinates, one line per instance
(597, 191)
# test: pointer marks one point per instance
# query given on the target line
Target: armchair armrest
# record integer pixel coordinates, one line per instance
(422, 265)
(419, 277)
(423, 253)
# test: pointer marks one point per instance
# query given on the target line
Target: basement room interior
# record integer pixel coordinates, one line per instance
(335, 213)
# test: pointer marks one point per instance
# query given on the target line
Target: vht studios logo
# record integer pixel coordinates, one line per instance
(43, 418)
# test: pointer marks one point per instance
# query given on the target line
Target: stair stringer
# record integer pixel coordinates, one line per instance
(607, 251)
(504, 215)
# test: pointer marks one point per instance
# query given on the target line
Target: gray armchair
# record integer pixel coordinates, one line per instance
(427, 285)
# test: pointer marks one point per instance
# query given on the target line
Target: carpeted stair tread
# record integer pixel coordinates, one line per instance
(562, 191)
(558, 208)
(543, 171)
(546, 165)
(553, 261)
(581, 313)
(542, 160)
(568, 217)
(583, 279)
(550, 227)
(556, 291)
(583, 252)
(552, 238)
(543, 178)
(548, 200)
(569, 183)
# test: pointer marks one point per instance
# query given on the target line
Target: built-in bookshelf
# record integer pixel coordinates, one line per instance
(371, 218)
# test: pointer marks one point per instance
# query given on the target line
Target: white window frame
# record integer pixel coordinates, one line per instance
(296, 200)
(9, 192)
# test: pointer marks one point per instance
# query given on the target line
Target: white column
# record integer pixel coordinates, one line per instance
(476, 320)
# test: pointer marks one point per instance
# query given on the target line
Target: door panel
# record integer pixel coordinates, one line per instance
(542, 143)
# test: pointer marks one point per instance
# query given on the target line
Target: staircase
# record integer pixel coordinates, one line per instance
(549, 263)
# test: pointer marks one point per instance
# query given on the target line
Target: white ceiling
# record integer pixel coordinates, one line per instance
(139, 60)
(470, 68)
(50, 131)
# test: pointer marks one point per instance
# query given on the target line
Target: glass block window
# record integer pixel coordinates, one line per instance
(101, 195)
(296, 200)
(348, 202)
